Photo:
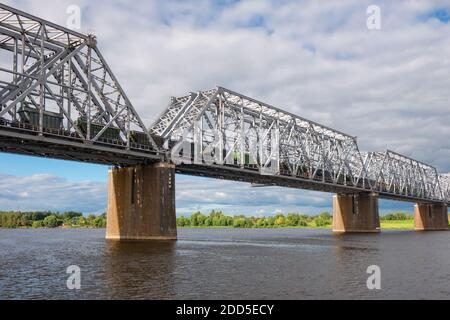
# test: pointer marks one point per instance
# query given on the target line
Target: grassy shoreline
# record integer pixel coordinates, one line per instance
(384, 224)
(397, 224)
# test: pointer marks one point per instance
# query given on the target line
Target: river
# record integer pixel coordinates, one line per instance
(225, 264)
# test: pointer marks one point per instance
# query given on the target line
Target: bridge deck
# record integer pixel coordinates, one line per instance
(60, 144)
(235, 173)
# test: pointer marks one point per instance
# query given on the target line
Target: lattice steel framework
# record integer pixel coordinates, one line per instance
(400, 175)
(55, 74)
(225, 129)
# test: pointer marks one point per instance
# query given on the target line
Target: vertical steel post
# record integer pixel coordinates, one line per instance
(88, 120)
(41, 80)
(128, 128)
(15, 70)
(69, 93)
(22, 65)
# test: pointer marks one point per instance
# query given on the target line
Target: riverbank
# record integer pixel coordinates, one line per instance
(384, 224)
(397, 224)
(47, 219)
(215, 219)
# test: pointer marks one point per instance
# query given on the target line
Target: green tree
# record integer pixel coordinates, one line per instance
(322, 220)
(99, 222)
(24, 220)
(197, 219)
(82, 222)
(325, 215)
(221, 221)
(69, 215)
(217, 218)
(50, 221)
(37, 224)
(239, 223)
(90, 220)
(181, 221)
(280, 220)
(261, 223)
(302, 223)
(397, 216)
(270, 222)
(208, 222)
(292, 219)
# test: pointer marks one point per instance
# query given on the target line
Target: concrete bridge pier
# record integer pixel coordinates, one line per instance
(430, 216)
(141, 203)
(356, 213)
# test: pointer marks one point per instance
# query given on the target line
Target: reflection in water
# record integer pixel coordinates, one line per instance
(140, 269)
(353, 254)
(225, 264)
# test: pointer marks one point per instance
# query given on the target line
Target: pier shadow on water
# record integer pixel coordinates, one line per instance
(140, 269)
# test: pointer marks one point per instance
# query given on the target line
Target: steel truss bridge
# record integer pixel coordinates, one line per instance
(60, 99)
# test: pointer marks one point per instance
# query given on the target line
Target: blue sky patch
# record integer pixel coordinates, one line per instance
(439, 14)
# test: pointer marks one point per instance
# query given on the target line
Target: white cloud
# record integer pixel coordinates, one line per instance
(46, 192)
(203, 194)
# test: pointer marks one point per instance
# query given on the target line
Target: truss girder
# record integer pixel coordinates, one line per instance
(56, 71)
(398, 174)
(225, 128)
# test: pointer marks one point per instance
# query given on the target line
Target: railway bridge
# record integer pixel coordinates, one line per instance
(60, 99)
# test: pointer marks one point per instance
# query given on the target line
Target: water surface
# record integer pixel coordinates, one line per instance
(225, 264)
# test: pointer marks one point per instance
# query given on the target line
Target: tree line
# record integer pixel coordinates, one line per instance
(397, 216)
(219, 219)
(72, 219)
(47, 219)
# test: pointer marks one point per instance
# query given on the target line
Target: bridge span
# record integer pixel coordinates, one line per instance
(60, 99)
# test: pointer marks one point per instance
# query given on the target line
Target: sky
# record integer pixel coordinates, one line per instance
(390, 87)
